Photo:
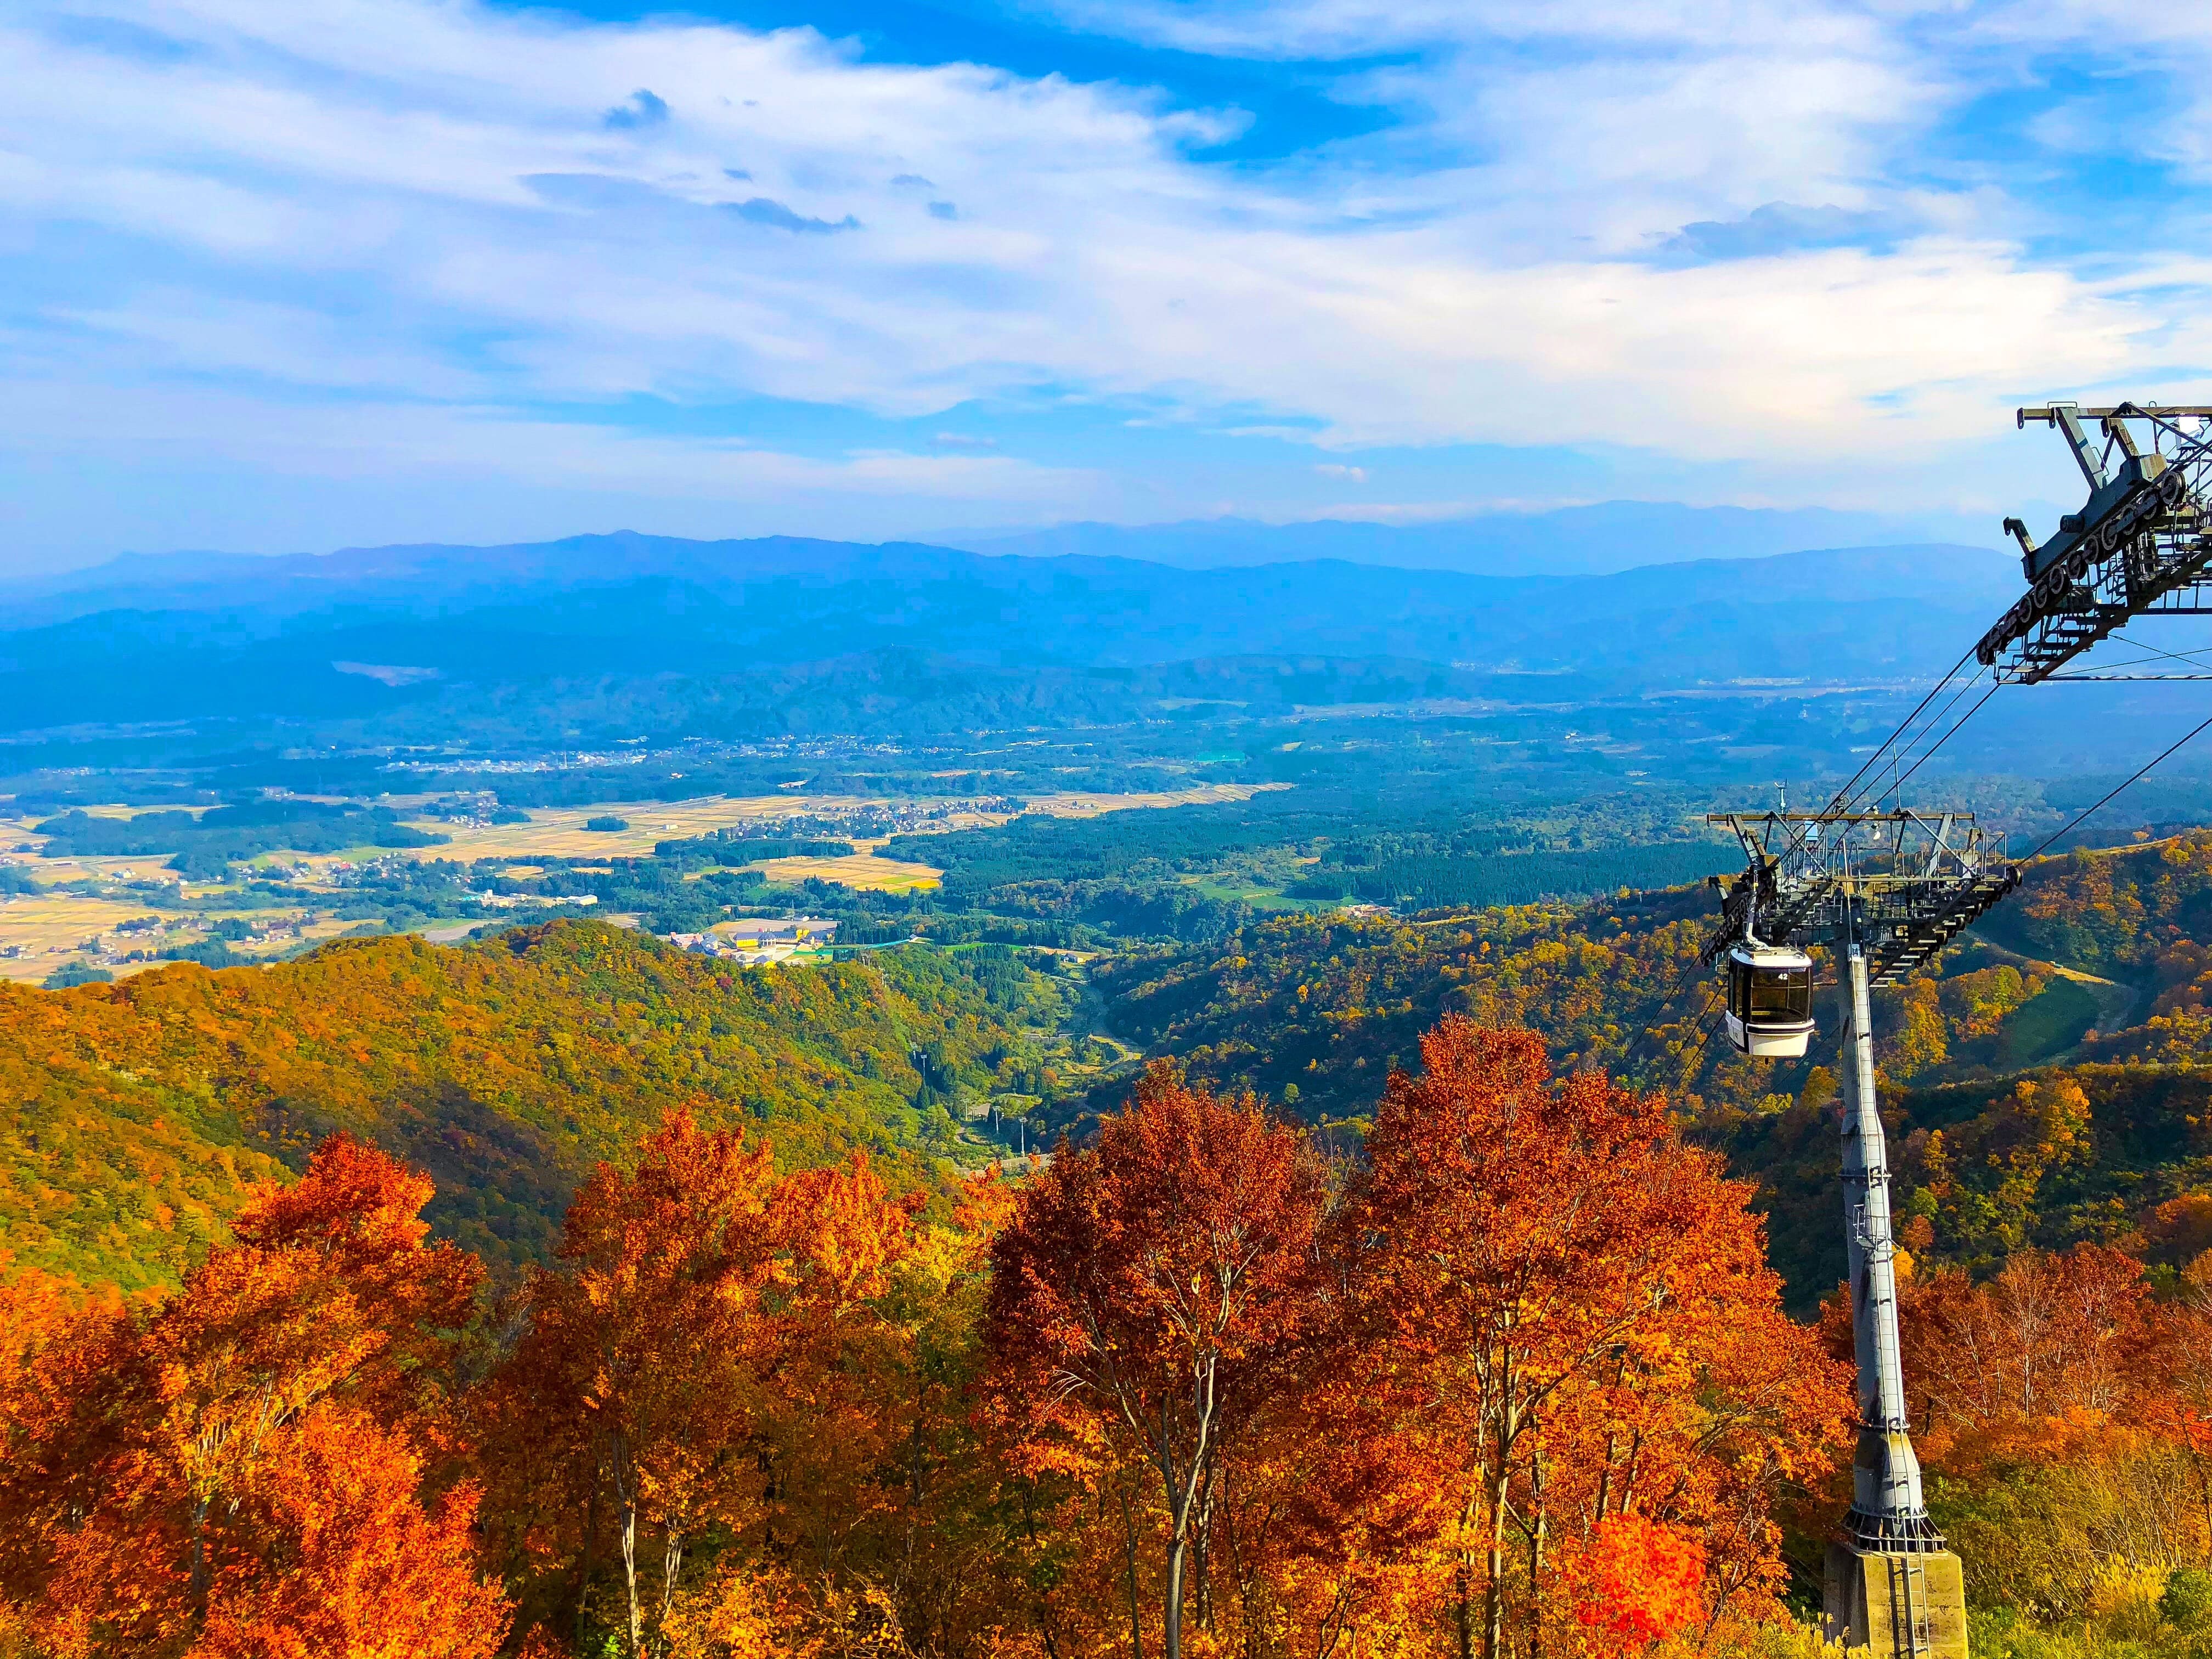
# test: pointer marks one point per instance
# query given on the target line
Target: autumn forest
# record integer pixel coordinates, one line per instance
(1425, 1287)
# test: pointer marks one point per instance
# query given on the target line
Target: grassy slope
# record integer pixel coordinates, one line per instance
(132, 1115)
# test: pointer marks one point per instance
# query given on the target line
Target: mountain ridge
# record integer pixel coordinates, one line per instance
(312, 634)
(1595, 539)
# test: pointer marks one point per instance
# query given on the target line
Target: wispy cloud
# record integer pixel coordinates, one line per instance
(760, 210)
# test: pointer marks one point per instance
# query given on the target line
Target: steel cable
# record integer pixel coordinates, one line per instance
(2084, 817)
(1883, 748)
(1875, 784)
(1961, 725)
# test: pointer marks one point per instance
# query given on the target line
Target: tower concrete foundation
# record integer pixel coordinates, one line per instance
(1896, 1604)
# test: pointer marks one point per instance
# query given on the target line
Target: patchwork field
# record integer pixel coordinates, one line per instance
(40, 932)
(559, 832)
(1078, 806)
(864, 871)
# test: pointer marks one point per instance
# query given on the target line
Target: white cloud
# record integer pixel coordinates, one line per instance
(369, 440)
(417, 209)
(1340, 473)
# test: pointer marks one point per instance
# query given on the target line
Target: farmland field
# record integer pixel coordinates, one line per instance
(46, 929)
(863, 870)
(43, 931)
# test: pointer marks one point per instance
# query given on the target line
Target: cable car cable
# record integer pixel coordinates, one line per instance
(1907, 777)
(2190, 657)
(1705, 1027)
(2082, 816)
(1875, 783)
(1873, 787)
(1883, 749)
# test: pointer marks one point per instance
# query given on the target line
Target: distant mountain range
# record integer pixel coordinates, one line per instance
(367, 628)
(1593, 540)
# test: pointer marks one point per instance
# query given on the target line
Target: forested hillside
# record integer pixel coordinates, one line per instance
(136, 1113)
(734, 1297)
(2050, 1082)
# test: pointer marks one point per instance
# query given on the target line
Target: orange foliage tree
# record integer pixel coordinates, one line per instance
(1635, 1582)
(1150, 1301)
(638, 1374)
(244, 1468)
(1571, 1317)
(716, 1358)
(2066, 1410)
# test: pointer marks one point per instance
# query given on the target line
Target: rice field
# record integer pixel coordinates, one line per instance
(38, 933)
(867, 872)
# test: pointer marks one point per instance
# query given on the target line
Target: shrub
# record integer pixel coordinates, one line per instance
(606, 825)
(2187, 1601)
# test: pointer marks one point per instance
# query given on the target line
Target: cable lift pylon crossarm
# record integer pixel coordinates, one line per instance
(2140, 545)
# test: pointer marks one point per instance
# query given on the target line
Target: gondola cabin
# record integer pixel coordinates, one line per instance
(1769, 1000)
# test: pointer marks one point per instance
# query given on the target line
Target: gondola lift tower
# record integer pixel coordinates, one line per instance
(1883, 891)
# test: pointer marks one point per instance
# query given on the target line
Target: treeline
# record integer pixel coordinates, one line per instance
(1344, 819)
(1117, 872)
(205, 844)
(724, 846)
(1521, 1380)
(1436, 881)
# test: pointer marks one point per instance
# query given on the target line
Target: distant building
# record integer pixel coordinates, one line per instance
(757, 938)
(793, 930)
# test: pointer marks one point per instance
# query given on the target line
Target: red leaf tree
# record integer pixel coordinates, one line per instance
(1570, 1316)
(1150, 1298)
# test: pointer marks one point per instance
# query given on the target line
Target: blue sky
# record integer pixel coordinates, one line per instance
(277, 277)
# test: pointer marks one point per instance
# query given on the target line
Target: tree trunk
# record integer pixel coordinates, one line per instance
(630, 1579)
(1129, 1540)
(1463, 1576)
(1183, 1499)
(1536, 1535)
(1629, 1473)
(671, 1563)
(626, 1495)
(1493, 1624)
(1201, 1536)
(591, 1537)
(1171, 1637)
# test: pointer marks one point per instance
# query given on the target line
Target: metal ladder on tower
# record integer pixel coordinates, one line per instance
(1910, 1635)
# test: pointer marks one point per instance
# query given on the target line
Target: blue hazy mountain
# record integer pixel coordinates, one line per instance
(362, 630)
(1592, 540)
